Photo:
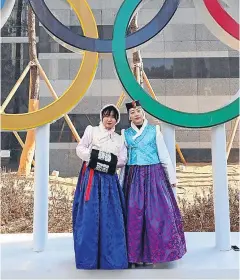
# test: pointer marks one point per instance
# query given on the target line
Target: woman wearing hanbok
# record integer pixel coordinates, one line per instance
(154, 224)
(99, 206)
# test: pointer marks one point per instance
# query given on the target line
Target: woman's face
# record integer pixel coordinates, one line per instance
(109, 120)
(136, 115)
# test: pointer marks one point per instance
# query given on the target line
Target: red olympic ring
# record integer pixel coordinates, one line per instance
(222, 18)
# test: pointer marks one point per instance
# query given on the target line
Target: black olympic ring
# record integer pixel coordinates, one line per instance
(55, 27)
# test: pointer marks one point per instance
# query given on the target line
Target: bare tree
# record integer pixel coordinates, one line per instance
(29, 147)
(138, 64)
(137, 60)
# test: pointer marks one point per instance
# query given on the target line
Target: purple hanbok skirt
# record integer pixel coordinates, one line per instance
(154, 223)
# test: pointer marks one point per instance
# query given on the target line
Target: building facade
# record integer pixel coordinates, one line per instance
(188, 67)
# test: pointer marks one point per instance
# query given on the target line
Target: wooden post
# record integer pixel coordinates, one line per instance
(145, 78)
(20, 141)
(55, 96)
(121, 100)
(14, 89)
(229, 146)
(181, 155)
(155, 97)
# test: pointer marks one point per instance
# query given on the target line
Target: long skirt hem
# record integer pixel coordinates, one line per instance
(99, 222)
(154, 223)
(156, 261)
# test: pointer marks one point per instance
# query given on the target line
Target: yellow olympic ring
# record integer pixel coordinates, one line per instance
(76, 90)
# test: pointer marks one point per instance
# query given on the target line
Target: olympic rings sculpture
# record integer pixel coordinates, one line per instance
(6, 9)
(92, 45)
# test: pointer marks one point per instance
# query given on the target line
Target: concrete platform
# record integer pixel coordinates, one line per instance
(202, 261)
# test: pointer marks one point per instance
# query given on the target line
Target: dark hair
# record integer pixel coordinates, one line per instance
(110, 110)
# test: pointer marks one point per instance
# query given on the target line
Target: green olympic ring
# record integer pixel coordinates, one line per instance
(135, 91)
